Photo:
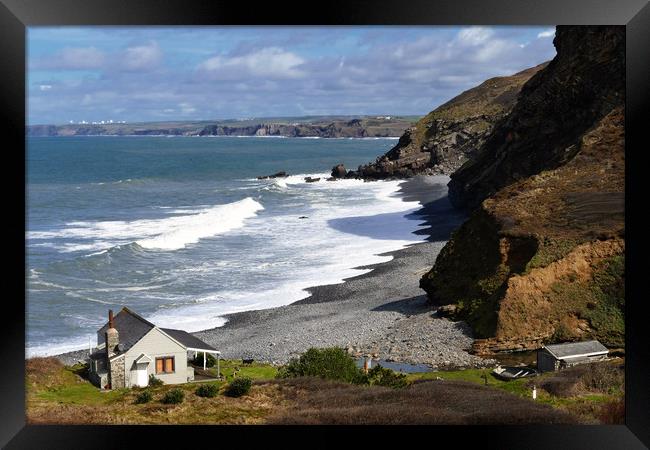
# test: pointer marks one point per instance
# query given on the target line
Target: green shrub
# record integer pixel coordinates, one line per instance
(143, 397)
(331, 363)
(207, 390)
(238, 387)
(173, 396)
(210, 361)
(380, 376)
(153, 381)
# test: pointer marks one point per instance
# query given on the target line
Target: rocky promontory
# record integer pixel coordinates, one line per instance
(542, 257)
(448, 136)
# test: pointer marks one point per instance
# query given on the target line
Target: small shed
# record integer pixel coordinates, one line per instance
(559, 356)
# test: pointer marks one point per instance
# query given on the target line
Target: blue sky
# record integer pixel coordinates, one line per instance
(208, 73)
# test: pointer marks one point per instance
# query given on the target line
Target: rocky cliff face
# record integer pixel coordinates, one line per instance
(541, 258)
(446, 137)
(581, 85)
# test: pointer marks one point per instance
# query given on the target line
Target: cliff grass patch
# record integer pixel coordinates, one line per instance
(600, 301)
(550, 250)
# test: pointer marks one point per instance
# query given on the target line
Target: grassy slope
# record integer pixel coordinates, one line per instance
(579, 396)
(493, 97)
(57, 394)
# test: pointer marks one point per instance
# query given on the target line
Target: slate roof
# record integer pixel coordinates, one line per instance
(130, 326)
(575, 348)
(187, 339)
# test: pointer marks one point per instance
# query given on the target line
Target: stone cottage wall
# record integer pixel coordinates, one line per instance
(117, 373)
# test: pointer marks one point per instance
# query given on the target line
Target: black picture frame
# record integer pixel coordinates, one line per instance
(16, 15)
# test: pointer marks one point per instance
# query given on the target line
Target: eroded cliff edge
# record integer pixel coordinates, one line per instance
(541, 258)
(448, 136)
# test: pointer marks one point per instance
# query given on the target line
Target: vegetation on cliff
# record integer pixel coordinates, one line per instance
(541, 259)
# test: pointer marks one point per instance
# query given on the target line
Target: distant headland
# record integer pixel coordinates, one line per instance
(308, 126)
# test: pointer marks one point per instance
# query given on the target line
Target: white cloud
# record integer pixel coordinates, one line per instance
(72, 58)
(186, 108)
(270, 62)
(547, 33)
(475, 35)
(142, 57)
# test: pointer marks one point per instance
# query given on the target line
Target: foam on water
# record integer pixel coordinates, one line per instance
(185, 252)
(330, 254)
(168, 233)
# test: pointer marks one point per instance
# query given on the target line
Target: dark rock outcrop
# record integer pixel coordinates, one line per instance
(275, 175)
(339, 171)
(446, 137)
(542, 257)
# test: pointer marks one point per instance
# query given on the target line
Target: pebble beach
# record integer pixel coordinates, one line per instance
(382, 313)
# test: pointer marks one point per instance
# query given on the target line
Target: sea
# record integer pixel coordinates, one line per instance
(181, 231)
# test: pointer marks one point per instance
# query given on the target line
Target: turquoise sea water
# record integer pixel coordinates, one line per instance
(181, 231)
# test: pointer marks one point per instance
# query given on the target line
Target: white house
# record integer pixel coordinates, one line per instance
(130, 349)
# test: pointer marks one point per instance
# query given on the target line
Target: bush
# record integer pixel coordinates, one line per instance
(381, 376)
(173, 396)
(239, 387)
(613, 413)
(210, 361)
(143, 397)
(153, 381)
(331, 363)
(207, 390)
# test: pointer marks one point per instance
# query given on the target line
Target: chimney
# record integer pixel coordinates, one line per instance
(112, 337)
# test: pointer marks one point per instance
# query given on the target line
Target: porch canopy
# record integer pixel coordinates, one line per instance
(192, 343)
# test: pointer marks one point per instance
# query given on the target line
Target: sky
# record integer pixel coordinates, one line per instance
(143, 74)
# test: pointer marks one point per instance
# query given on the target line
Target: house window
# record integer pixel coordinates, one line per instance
(165, 364)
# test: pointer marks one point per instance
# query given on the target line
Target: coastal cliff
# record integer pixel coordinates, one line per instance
(323, 127)
(448, 136)
(541, 258)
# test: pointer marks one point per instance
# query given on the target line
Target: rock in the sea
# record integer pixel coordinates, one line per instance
(275, 175)
(339, 171)
(311, 180)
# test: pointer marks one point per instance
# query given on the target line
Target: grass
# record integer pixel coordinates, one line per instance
(549, 251)
(589, 392)
(255, 370)
(50, 381)
(318, 401)
(57, 394)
